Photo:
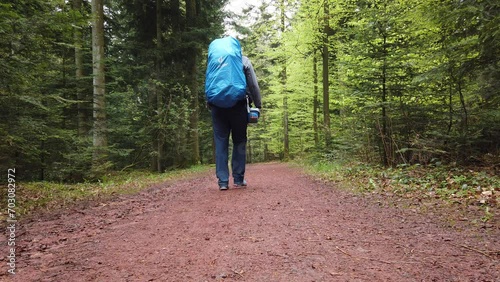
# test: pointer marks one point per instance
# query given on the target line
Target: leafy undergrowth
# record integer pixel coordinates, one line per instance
(32, 197)
(462, 189)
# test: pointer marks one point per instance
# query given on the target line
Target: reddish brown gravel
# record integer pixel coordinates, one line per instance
(283, 227)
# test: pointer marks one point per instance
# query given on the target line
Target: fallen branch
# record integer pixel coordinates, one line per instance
(342, 251)
(366, 258)
(484, 253)
(240, 273)
(496, 253)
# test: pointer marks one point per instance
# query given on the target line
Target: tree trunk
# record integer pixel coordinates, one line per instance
(195, 138)
(326, 94)
(465, 116)
(286, 140)
(266, 153)
(316, 102)
(158, 91)
(80, 96)
(175, 15)
(386, 143)
(154, 132)
(99, 106)
(450, 109)
(191, 14)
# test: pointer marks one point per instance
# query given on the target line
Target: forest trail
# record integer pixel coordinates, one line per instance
(283, 227)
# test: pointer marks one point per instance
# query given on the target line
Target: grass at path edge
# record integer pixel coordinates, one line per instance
(416, 186)
(31, 197)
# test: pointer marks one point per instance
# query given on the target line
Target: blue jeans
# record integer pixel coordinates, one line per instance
(225, 121)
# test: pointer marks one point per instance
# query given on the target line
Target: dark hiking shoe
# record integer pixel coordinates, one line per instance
(223, 187)
(241, 184)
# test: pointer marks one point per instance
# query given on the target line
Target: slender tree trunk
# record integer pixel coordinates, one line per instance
(194, 120)
(152, 107)
(286, 140)
(450, 109)
(385, 140)
(191, 14)
(326, 84)
(158, 91)
(465, 119)
(464, 124)
(80, 96)
(266, 152)
(175, 15)
(99, 106)
(316, 102)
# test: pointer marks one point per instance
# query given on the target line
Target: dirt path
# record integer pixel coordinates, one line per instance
(283, 227)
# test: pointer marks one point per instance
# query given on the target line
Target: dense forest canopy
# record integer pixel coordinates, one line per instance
(377, 81)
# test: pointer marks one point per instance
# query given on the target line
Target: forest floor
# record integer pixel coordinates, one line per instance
(285, 226)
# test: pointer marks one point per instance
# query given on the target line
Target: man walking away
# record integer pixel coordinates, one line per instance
(230, 78)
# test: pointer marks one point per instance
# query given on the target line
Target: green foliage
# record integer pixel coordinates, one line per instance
(408, 81)
(152, 93)
(35, 91)
(48, 109)
(411, 82)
